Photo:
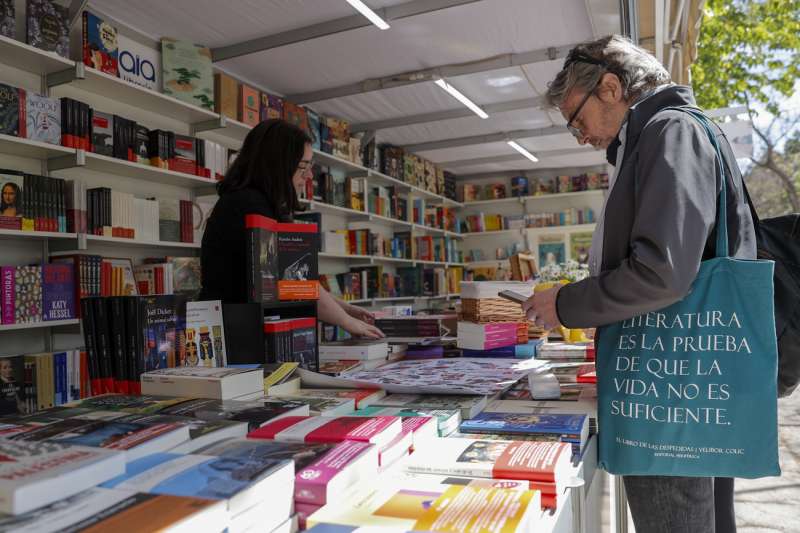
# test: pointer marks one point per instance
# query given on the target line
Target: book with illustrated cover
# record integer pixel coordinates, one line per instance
(100, 47)
(48, 26)
(469, 406)
(326, 480)
(103, 133)
(129, 403)
(378, 430)
(34, 474)
(8, 24)
(205, 335)
(248, 104)
(203, 382)
(240, 481)
(271, 106)
(256, 413)
(11, 199)
(27, 294)
(565, 428)
(161, 329)
(42, 118)
(138, 64)
(551, 250)
(201, 432)
(428, 505)
(186, 72)
(13, 394)
(58, 295)
(519, 186)
(12, 109)
(313, 129)
(579, 244)
(322, 406)
(361, 397)
(295, 114)
(262, 258)
(298, 246)
(100, 509)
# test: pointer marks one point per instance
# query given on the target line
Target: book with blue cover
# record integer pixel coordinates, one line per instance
(566, 428)
(241, 481)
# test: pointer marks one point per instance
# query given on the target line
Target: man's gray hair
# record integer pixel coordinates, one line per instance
(638, 70)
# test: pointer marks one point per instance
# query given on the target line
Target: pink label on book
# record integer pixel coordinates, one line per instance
(311, 483)
(413, 423)
(7, 294)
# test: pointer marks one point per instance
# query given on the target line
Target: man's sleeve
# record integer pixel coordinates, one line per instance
(675, 211)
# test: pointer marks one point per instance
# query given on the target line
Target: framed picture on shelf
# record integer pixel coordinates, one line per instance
(552, 250)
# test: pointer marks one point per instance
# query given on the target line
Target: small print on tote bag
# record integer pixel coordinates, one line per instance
(690, 390)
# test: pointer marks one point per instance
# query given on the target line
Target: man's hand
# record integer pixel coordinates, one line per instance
(541, 308)
(358, 328)
(360, 313)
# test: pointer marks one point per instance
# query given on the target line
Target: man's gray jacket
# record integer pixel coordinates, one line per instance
(660, 216)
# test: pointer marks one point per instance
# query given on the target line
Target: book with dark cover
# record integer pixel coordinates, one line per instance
(262, 258)
(8, 24)
(119, 346)
(99, 42)
(12, 385)
(102, 133)
(185, 154)
(255, 413)
(564, 427)
(298, 246)
(90, 341)
(133, 344)
(103, 346)
(271, 106)
(48, 26)
(142, 143)
(161, 329)
(10, 109)
(58, 292)
(304, 343)
(43, 118)
(313, 129)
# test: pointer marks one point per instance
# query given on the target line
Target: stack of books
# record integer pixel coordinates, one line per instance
(488, 322)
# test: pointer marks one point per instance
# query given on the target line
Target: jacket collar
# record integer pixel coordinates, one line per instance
(643, 110)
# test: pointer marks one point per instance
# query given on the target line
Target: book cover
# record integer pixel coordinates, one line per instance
(58, 292)
(205, 335)
(67, 469)
(184, 157)
(325, 480)
(10, 110)
(100, 47)
(447, 420)
(8, 25)
(377, 430)
(569, 427)
(469, 406)
(13, 396)
(48, 26)
(27, 294)
(551, 250)
(271, 106)
(298, 246)
(201, 476)
(43, 118)
(361, 397)
(302, 454)
(248, 105)
(130, 403)
(203, 382)
(255, 413)
(11, 199)
(138, 64)
(313, 129)
(186, 72)
(262, 258)
(160, 329)
(226, 95)
(103, 133)
(295, 114)
(579, 244)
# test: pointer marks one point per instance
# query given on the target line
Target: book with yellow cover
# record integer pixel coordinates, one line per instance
(421, 505)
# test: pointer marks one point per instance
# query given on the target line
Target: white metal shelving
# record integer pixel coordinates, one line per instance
(39, 325)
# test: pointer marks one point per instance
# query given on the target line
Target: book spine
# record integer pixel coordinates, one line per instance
(7, 296)
(103, 342)
(119, 352)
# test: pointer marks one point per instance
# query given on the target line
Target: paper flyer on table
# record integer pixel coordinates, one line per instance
(476, 376)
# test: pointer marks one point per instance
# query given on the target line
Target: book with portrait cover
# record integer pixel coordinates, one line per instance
(99, 44)
(48, 26)
(13, 398)
(262, 259)
(579, 245)
(11, 199)
(186, 72)
(552, 250)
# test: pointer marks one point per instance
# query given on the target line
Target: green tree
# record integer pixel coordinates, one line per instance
(749, 54)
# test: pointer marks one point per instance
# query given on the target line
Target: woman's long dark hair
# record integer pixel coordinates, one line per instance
(267, 161)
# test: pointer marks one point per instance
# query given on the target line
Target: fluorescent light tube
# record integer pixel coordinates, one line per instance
(455, 93)
(373, 17)
(523, 151)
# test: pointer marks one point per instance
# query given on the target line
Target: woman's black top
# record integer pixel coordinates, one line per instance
(223, 256)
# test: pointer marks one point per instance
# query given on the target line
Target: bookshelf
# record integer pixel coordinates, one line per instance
(382, 259)
(39, 325)
(22, 56)
(535, 198)
(36, 235)
(19, 147)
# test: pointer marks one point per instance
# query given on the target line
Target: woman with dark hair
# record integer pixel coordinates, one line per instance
(9, 200)
(274, 163)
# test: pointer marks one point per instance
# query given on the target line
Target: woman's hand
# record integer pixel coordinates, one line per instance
(358, 328)
(360, 313)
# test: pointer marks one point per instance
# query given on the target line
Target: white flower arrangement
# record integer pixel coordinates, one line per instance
(570, 271)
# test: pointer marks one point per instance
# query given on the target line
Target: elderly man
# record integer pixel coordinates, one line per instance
(657, 225)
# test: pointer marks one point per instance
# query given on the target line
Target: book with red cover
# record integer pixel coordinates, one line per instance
(378, 430)
(326, 480)
(262, 258)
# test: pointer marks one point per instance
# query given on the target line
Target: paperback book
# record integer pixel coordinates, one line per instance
(100, 46)
(468, 406)
(42, 118)
(564, 428)
(446, 420)
(186, 72)
(377, 430)
(139, 64)
(203, 382)
(205, 334)
(12, 109)
(262, 258)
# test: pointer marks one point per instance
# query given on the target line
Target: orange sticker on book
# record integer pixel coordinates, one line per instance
(478, 510)
(298, 290)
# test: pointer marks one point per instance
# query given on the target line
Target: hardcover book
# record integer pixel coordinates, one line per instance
(8, 24)
(248, 105)
(139, 64)
(43, 118)
(48, 26)
(469, 406)
(103, 133)
(11, 199)
(100, 509)
(13, 387)
(226, 95)
(186, 72)
(12, 108)
(27, 294)
(378, 430)
(34, 474)
(100, 47)
(205, 335)
(271, 106)
(262, 258)
(298, 246)
(58, 292)
(240, 481)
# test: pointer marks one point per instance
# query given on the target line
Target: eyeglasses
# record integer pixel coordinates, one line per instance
(575, 131)
(576, 56)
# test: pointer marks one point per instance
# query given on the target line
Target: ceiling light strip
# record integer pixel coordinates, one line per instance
(455, 93)
(516, 146)
(373, 17)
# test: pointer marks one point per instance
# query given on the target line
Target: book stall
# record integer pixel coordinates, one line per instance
(129, 402)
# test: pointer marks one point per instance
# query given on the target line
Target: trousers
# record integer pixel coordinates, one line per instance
(671, 504)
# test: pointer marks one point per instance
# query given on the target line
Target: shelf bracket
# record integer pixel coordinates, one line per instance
(218, 123)
(63, 77)
(78, 159)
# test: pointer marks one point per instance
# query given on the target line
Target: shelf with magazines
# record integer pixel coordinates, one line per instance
(37, 325)
(356, 215)
(385, 259)
(534, 198)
